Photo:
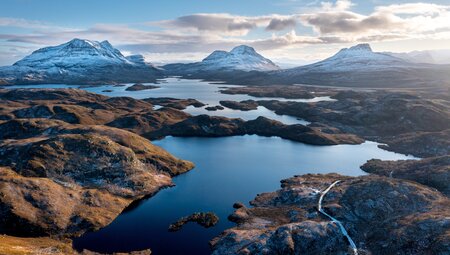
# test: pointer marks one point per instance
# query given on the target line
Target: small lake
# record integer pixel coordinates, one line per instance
(228, 170)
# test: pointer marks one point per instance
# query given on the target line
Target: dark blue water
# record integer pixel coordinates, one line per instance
(227, 170)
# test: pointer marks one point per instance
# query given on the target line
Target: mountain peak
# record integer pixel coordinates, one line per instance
(241, 57)
(76, 42)
(106, 44)
(360, 50)
(243, 49)
(361, 47)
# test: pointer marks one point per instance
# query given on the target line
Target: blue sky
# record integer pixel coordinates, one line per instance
(295, 31)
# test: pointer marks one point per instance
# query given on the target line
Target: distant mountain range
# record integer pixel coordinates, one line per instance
(79, 61)
(439, 57)
(89, 62)
(357, 66)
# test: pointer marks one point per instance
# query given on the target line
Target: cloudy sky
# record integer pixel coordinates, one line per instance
(287, 31)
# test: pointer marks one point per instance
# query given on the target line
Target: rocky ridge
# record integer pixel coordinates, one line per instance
(214, 126)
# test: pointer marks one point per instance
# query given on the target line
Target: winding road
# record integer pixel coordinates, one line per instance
(341, 227)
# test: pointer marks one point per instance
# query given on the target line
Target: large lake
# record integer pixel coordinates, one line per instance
(228, 170)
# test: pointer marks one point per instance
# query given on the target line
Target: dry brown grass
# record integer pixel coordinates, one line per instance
(10, 245)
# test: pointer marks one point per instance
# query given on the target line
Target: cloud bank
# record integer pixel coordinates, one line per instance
(328, 23)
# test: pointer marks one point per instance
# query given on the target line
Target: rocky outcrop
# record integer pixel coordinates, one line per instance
(139, 87)
(420, 144)
(64, 172)
(213, 126)
(206, 220)
(179, 104)
(81, 107)
(201, 125)
(382, 215)
(72, 179)
(433, 172)
(246, 105)
(145, 121)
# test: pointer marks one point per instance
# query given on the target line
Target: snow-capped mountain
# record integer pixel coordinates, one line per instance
(359, 66)
(79, 61)
(359, 57)
(76, 53)
(240, 58)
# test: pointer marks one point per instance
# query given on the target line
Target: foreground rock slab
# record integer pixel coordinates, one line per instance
(382, 215)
